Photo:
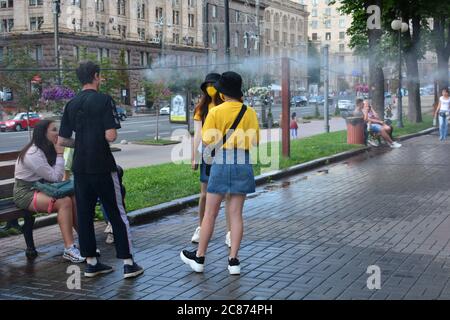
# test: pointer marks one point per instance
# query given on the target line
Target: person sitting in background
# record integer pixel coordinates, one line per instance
(375, 125)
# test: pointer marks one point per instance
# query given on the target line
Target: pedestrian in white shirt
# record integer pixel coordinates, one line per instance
(443, 111)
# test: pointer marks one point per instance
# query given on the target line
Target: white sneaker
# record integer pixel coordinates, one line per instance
(228, 239)
(109, 238)
(395, 145)
(196, 236)
(234, 266)
(73, 255)
(108, 228)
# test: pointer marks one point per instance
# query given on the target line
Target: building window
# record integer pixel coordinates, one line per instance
(121, 5)
(176, 38)
(6, 94)
(246, 40)
(276, 36)
(328, 36)
(36, 53)
(101, 28)
(314, 36)
(1, 54)
(315, 3)
(341, 60)
(328, 12)
(267, 34)
(214, 11)
(341, 47)
(237, 15)
(76, 3)
(76, 53)
(314, 13)
(292, 39)
(127, 57)
(236, 39)
(6, 25)
(190, 41)
(176, 17)
(36, 23)
(191, 3)
(284, 38)
(314, 24)
(144, 58)
(102, 53)
(158, 14)
(214, 36)
(141, 33)
(6, 4)
(141, 10)
(122, 31)
(341, 35)
(36, 2)
(191, 19)
(341, 23)
(100, 5)
(328, 24)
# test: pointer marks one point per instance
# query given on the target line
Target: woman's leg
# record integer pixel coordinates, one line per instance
(444, 136)
(74, 213)
(65, 217)
(212, 207)
(441, 127)
(202, 202)
(386, 136)
(227, 211)
(237, 224)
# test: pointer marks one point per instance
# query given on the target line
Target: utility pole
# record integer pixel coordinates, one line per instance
(56, 12)
(400, 103)
(326, 80)
(227, 33)
(285, 101)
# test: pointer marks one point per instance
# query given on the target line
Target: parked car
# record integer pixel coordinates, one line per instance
(346, 105)
(122, 113)
(299, 101)
(19, 122)
(164, 110)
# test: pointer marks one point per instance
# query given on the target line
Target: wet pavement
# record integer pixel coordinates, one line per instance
(312, 236)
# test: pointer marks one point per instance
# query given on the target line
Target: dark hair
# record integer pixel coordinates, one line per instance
(205, 100)
(359, 101)
(445, 89)
(293, 115)
(40, 140)
(86, 72)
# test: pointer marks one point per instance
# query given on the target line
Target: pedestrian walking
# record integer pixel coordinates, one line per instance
(293, 126)
(231, 129)
(93, 117)
(209, 100)
(443, 111)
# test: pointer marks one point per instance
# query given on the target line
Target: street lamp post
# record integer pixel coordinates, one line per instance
(56, 12)
(398, 25)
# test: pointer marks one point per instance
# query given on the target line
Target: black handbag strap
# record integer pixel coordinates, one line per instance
(232, 128)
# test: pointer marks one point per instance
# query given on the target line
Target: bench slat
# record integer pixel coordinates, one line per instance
(7, 172)
(11, 213)
(6, 191)
(8, 156)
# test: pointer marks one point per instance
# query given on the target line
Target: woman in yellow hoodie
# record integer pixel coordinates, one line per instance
(231, 172)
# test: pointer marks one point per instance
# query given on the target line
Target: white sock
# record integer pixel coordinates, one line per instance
(91, 261)
(128, 262)
(69, 247)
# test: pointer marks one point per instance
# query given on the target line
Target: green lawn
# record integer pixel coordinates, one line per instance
(409, 127)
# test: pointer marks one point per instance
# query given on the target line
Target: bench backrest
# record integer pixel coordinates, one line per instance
(7, 166)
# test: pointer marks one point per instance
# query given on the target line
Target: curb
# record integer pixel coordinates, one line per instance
(146, 215)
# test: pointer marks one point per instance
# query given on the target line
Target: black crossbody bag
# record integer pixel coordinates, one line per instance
(225, 138)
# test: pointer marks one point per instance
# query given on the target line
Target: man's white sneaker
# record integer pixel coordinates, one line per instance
(234, 266)
(196, 236)
(73, 255)
(228, 239)
(395, 145)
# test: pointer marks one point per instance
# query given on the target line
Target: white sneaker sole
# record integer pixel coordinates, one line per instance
(195, 240)
(228, 243)
(134, 274)
(194, 265)
(72, 259)
(234, 270)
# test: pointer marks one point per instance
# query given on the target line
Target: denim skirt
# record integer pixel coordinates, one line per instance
(203, 177)
(231, 172)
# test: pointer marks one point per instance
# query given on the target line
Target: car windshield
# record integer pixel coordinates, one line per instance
(17, 117)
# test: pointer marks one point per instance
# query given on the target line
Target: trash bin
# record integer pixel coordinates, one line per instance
(355, 130)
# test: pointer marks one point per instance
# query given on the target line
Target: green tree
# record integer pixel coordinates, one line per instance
(313, 64)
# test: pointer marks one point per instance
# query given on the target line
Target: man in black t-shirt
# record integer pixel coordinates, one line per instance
(93, 118)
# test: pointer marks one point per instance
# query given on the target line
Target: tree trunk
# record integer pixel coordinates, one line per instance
(442, 72)
(442, 51)
(376, 77)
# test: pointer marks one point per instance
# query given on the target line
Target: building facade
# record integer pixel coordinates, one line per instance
(150, 32)
(286, 35)
(327, 26)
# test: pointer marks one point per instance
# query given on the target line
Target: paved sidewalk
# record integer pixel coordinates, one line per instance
(308, 237)
(133, 155)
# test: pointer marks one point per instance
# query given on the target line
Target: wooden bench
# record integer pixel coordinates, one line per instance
(8, 210)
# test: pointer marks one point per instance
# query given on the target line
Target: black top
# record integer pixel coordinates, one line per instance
(89, 114)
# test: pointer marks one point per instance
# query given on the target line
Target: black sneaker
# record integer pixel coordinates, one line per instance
(132, 271)
(92, 271)
(190, 258)
(234, 266)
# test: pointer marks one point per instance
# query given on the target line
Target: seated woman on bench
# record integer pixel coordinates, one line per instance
(42, 160)
(375, 125)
